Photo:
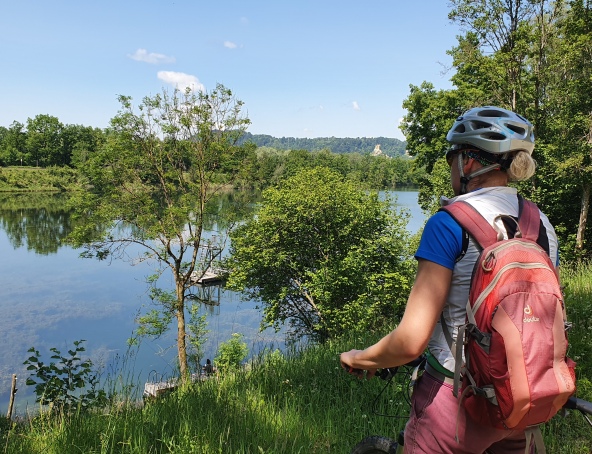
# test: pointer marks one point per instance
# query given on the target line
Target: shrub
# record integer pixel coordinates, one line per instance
(231, 353)
(67, 382)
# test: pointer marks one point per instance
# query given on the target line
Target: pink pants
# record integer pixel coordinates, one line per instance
(431, 427)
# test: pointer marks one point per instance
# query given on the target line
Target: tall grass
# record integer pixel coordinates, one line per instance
(573, 434)
(297, 402)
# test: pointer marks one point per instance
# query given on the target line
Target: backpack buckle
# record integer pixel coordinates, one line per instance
(482, 339)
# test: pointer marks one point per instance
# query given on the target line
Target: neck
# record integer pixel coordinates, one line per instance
(488, 180)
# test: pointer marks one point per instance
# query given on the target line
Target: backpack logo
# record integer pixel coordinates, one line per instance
(529, 317)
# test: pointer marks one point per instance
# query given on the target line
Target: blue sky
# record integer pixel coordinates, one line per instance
(304, 68)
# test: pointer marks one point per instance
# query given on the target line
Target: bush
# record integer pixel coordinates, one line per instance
(231, 354)
(66, 383)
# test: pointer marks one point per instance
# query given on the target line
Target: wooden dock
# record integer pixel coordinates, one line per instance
(157, 389)
(209, 277)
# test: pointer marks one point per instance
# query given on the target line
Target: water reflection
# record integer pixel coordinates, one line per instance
(39, 222)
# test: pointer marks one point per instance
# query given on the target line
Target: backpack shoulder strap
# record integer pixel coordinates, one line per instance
(529, 219)
(472, 221)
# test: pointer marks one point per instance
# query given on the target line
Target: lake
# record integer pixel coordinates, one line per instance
(51, 297)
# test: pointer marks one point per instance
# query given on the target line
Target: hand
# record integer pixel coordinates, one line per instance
(347, 360)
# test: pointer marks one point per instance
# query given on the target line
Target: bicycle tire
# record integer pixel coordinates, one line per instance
(376, 445)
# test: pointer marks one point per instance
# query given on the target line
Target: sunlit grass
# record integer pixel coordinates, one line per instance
(297, 402)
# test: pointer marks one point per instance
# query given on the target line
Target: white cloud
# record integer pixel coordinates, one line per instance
(230, 45)
(355, 105)
(181, 80)
(152, 57)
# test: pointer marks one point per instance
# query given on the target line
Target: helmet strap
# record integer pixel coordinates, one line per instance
(464, 179)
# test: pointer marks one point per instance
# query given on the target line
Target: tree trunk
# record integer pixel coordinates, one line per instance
(181, 333)
(583, 217)
(12, 393)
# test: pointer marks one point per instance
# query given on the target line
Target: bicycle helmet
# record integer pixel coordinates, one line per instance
(490, 134)
(492, 129)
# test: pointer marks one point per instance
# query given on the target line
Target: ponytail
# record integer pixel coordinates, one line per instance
(522, 168)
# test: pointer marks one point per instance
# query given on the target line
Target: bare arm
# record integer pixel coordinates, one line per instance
(410, 338)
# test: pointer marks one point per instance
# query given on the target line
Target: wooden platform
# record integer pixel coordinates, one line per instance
(159, 388)
(210, 277)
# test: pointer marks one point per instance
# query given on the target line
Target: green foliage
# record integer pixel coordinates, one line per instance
(361, 145)
(67, 382)
(33, 179)
(270, 167)
(13, 145)
(323, 255)
(231, 354)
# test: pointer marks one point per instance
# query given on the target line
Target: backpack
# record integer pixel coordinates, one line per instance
(516, 374)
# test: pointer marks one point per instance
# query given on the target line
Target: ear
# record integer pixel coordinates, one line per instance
(470, 165)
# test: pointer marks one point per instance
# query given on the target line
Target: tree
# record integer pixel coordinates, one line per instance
(430, 114)
(80, 142)
(13, 146)
(152, 187)
(569, 101)
(323, 256)
(44, 141)
(503, 28)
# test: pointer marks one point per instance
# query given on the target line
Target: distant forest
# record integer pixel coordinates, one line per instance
(362, 145)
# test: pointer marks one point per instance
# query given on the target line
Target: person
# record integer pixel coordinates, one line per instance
(208, 368)
(490, 146)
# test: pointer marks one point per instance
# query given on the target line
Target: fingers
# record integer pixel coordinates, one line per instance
(346, 363)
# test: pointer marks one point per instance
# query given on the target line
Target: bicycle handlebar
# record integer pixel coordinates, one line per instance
(574, 403)
(389, 372)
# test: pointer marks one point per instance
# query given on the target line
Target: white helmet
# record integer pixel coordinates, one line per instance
(492, 129)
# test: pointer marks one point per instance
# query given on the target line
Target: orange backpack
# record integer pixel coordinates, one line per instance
(516, 374)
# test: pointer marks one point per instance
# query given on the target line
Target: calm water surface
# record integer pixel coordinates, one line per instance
(50, 297)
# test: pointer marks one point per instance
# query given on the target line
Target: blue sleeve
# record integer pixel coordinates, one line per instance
(441, 240)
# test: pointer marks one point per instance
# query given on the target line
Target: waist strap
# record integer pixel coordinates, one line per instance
(438, 375)
(432, 361)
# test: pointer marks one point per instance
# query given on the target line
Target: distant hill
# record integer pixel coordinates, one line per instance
(362, 145)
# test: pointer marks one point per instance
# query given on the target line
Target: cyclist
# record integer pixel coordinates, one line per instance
(490, 146)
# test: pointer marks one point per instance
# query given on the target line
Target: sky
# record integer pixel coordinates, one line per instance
(303, 68)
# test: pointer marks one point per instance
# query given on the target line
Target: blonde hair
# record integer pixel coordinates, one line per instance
(522, 168)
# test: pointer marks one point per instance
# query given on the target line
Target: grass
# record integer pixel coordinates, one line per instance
(36, 179)
(298, 402)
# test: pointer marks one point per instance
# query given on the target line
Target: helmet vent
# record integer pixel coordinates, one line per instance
(516, 129)
(480, 125)
(492, 113)
(493, 136)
